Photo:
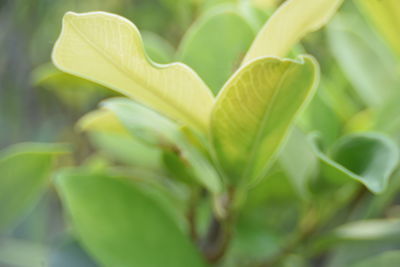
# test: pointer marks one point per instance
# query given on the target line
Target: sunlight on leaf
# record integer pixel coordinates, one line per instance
(291, 22)
(255, 111)
(108, 49)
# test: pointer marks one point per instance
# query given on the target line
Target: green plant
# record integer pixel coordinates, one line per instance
(195, 171)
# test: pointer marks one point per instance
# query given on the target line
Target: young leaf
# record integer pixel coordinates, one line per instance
(293, 20)
(255, 110)
(368, 158)
(123, 225)
(24, 173)
(108, 49)
(215, 44)
(155, 129)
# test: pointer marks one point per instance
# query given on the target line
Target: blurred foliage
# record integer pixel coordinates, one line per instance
(331, 198)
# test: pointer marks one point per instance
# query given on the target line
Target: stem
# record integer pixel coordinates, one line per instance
(216, 242)
(192, 214)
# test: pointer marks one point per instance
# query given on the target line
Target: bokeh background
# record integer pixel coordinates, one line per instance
(359, 91)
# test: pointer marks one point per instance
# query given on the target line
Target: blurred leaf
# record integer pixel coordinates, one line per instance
(386, 259)
(102, 120)
(155, 129)
(379, 229)
(69, 253)
(298, 161)
(21, 253)
(121, 224)
(109, 135)
(214, 45)
(24, 173)
(321, 117)
(75, 92)
(368, 65)
(265, 4)
(157, 48)
(271, 208)
(385, 14)
(369, 158)
(255, 111)
(291, 22)
(116, 59)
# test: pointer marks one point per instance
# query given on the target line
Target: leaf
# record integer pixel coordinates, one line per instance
(364, 59)
(157, 48)
(255, 111)
(298, 161)
(214, 45)
(369, 158)
(378, 229)
(76, 93)
(386, 259)
(69, 253)
(385, 15)
(155, 129)
(24, 173)
(108, 49)
(110, 137)
(34, 254)
(291, 22)
(121, 224)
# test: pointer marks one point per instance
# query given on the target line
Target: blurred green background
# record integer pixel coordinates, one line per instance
(359, 92)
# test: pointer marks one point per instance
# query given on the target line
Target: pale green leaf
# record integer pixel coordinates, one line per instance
(378, 229)
(110, 136)
(157, 48)
(369, 158)
(24, 175)
(215, 44)
(293, 20)
(108, 49)
(34, 254)
(385, 15)
(255, 111)
(364, 59)
(155, 129)
(298, 161)
(121, 224)
(76, 93)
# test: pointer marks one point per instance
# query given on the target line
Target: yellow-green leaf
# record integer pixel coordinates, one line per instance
(293, 20)
(108, 49)
(254, 112)
(385, 15)
(110, 137)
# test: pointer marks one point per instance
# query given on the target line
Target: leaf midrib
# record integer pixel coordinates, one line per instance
(259, 134)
